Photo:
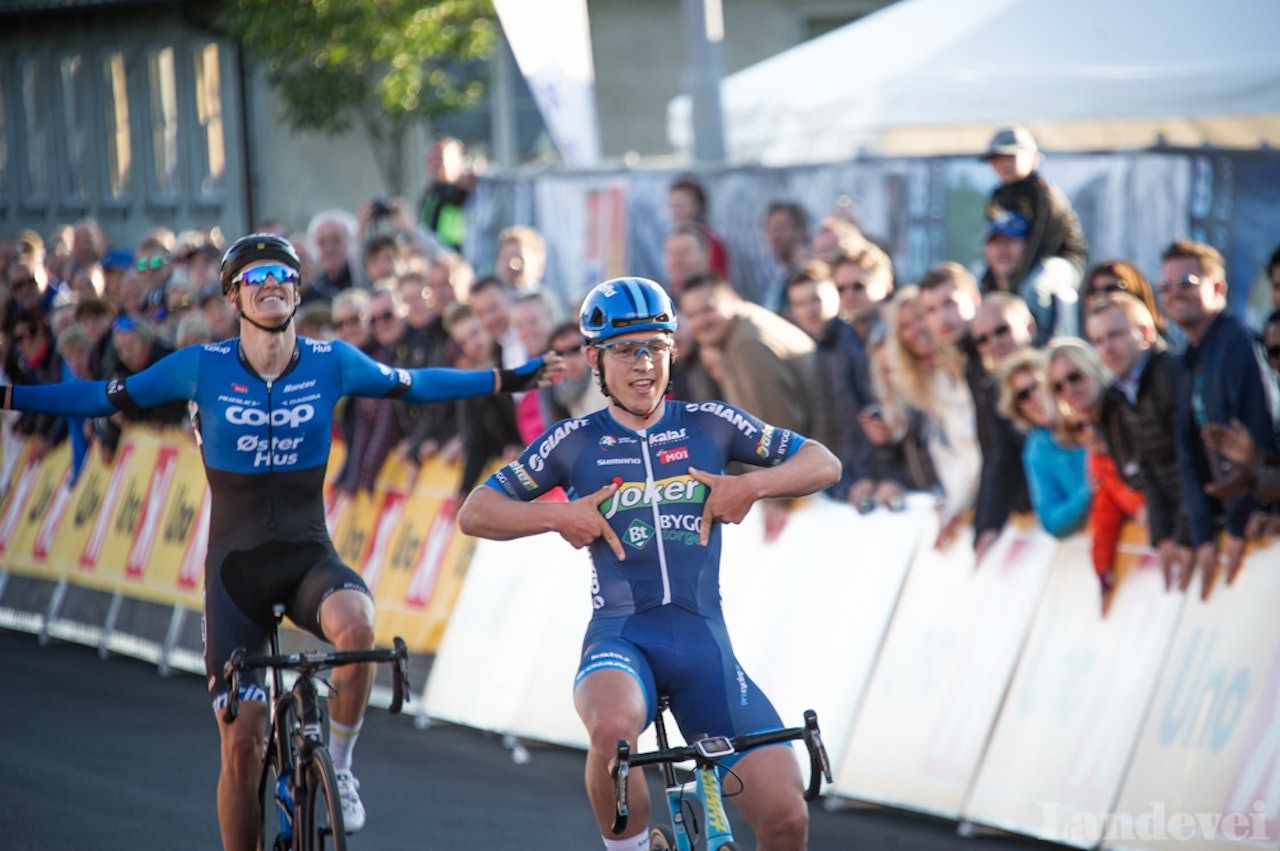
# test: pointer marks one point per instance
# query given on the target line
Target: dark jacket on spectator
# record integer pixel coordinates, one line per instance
(1002, 489)
(1225, 377)
(1142, 433)
(1055, 230)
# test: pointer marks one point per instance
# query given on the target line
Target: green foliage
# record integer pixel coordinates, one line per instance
(382, 63)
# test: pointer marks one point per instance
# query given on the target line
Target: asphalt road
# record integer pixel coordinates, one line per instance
(108, 755)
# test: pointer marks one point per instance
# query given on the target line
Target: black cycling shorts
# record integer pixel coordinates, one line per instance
(241, 587)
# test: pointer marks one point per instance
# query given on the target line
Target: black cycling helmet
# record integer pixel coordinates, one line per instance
(253, 248)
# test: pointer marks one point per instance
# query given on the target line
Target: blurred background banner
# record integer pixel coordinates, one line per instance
(552, 45)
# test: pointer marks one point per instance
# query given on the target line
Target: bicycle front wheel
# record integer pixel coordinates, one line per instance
(321, 808)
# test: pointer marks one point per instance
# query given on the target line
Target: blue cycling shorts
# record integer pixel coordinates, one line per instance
(669, 650)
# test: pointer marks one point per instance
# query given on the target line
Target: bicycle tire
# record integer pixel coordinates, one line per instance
(321, 813)
(668, 836)
(271, 837)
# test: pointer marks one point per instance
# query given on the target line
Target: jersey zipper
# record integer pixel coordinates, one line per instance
(271, 463)
(651, 488)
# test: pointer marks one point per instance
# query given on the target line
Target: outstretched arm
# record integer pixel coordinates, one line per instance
(809, 470)
(487, 513)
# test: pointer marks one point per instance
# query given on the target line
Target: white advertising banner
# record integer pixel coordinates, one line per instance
(1206, 771)
(944, 668)
(808, 612)
(551, 40)
(1058, 755)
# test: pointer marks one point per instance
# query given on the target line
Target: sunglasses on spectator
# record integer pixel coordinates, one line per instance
(1073, 378)
(22, 284)
(1186, 282)
(155, 261)
(1025, 392)
(998, 331)
(1107, 289)
(256, 276)
(631, 350)
(568, 350)
(383, 317)
(1079, 426)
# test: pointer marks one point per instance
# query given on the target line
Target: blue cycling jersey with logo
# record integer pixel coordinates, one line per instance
(265, 443)
(657, 509)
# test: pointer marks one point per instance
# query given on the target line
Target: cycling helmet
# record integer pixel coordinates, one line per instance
(622, 305)
(251, 249)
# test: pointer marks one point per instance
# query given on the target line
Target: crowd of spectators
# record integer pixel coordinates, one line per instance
(1037, 383)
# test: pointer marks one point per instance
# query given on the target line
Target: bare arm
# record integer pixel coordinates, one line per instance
(490, 514)
(811, 469)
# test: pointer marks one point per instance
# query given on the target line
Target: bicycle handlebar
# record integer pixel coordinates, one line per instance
(313, 662)
(819, 764)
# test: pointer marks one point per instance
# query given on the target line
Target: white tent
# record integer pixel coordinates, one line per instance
(936, 76)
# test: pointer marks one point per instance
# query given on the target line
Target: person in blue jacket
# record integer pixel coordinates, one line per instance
(648, 494)
(264, 418)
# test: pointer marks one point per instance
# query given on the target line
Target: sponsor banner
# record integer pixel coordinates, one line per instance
(82, 516)
(176, 542)
(352, 535)
(15, 501)
(1078, 697)
(113, 546)
(516, 631)
(837, 575)
(943, 670)
(40, 496)
(1206, 768)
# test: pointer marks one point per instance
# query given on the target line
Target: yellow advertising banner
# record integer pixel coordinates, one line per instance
(86, 502)
(39, 490)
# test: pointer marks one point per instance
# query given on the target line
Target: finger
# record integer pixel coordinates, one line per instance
(611, 538)
(707, 479)
(704, 528)
(604, 493)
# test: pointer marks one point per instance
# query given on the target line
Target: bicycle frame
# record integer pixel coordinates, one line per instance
(703, 787)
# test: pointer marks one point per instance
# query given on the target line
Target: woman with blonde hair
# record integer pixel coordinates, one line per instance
(1053, 461)
(931, 379)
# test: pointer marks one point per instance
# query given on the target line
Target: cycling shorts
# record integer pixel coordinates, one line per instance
(242, 586)
(672, 651)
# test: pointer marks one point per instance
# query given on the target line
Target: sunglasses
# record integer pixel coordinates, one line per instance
(1022, 394)
(155, 261)
(1073, 378)
(1079, 427)
(256, 276)
(631, 350)
(569, 350)
(998, 331)
(1186, 282)
(383, 317)
(22, 284)
(1108, 289)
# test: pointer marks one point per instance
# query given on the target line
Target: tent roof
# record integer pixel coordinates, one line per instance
(936, 76)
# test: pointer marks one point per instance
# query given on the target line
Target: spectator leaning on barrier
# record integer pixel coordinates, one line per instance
(898, 431)
(1114, 504)
(268, 540)
(1225, 378)
(1137, 420)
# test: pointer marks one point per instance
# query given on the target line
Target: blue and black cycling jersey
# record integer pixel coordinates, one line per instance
(657, 509)
(265, 442)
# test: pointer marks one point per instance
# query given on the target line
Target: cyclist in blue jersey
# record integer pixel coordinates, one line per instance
(648, 492)
(264, 415)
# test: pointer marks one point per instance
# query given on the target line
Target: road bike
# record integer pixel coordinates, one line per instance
(696, 801)
(297, 773)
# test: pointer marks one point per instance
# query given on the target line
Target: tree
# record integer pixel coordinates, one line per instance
(379, 64)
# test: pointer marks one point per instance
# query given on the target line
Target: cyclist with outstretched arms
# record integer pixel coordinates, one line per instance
(264, 416)
(649, 493)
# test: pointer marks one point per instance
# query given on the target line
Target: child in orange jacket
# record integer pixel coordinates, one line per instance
(1114, 502)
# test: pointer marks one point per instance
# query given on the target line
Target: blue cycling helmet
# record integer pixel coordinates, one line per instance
(622, 305)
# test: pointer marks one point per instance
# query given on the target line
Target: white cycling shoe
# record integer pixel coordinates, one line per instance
(352, 809)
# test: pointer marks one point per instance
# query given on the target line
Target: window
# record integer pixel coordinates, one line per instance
(162, 83)
(119, 143)
(210, 144)
(74, 133)
(34, 132)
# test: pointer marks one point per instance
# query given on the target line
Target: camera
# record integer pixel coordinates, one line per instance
(380, 208)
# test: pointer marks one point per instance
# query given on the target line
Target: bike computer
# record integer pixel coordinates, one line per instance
(714, 747)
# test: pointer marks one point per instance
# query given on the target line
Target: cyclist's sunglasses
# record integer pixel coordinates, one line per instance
(256, 276)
